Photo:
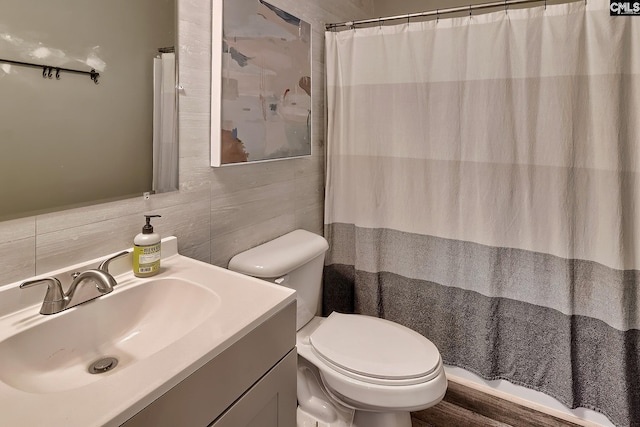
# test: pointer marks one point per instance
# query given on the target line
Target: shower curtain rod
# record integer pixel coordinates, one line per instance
(436, 13)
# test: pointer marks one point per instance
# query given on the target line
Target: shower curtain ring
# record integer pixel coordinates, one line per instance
(437, 15)
(380, 22)
(408, 17)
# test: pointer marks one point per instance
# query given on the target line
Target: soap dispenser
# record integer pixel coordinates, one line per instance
(146, 251)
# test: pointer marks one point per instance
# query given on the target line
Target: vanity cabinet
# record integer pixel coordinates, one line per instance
(251, 383)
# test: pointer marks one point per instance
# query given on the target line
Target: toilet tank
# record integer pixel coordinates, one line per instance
(294, 260)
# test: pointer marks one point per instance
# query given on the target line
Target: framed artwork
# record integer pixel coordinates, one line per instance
(261, 83)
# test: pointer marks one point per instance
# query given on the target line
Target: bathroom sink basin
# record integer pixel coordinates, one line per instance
(160, 329)
(54, 354)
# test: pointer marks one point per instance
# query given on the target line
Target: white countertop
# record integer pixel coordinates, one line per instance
(117, 395)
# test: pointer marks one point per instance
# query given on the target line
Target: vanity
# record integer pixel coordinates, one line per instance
(195, 345)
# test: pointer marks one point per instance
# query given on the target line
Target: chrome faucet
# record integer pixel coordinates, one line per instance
(56, 300)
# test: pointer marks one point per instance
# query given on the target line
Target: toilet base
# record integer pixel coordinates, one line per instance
(303, 419)
(315, 407)
(360, 419)
(381, 419)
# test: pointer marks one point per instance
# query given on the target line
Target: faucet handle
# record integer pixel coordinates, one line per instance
(53, 299)
(104, 265)
(54, 287)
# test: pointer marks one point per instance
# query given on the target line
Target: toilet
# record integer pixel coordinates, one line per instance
(353, 370)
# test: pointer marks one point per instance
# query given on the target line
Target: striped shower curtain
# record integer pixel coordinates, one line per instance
(483, 189)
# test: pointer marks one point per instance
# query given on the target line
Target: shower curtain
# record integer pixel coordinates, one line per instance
(483, 189)
(165, 130)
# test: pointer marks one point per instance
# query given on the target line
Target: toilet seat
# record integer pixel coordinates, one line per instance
(375, 351)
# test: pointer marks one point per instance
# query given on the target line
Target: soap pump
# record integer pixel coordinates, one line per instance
(146, 250)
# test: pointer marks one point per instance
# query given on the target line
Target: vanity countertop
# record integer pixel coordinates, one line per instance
(241, 303)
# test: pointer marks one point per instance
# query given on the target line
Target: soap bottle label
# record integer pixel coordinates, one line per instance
(146, 260)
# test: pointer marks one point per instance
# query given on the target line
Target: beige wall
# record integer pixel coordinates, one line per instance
(217, 212)
(399, 7)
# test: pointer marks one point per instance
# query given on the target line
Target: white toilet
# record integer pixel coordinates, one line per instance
(353, 370)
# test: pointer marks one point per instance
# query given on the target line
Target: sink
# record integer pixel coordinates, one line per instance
(54, 354)
(161, 330)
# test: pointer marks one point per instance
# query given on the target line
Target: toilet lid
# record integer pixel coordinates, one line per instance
(374, 348)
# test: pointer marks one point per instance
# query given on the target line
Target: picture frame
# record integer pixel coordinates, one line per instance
(260, 85)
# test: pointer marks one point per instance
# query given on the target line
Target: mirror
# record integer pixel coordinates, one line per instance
(66, 140)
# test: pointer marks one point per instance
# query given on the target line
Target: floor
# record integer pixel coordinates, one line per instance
(466, 407)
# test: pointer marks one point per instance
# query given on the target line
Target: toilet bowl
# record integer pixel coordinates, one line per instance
(353, 370)
(363, 367)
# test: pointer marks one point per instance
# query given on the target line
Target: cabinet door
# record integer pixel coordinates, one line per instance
(271, 402)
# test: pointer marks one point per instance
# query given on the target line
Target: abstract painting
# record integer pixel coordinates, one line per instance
(264, 85)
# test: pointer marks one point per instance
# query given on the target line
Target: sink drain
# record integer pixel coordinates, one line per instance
(103, 365)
